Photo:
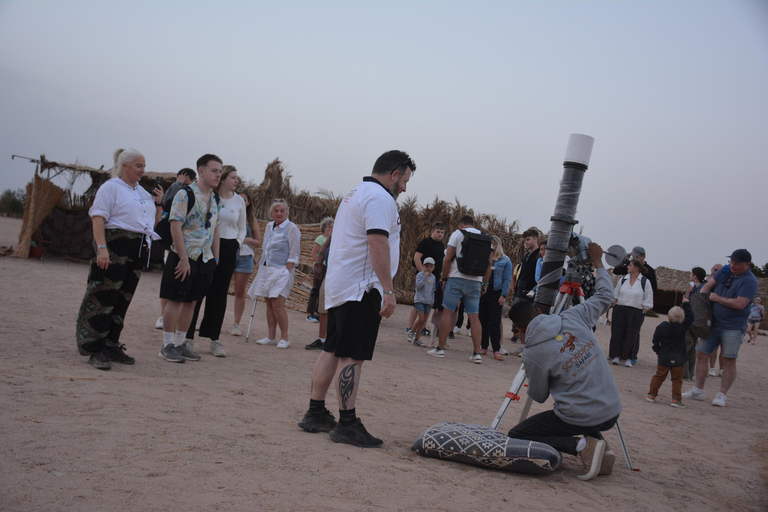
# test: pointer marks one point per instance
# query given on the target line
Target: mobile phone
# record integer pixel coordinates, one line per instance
(158, 182)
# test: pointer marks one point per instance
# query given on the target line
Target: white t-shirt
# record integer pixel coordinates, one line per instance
(125, 207)
(232, 218)
(368, 209)
(455, 241)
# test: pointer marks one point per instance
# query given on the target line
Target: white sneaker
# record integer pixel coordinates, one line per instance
(719, 400)
(236, 330)
(695, 394)
(266, 341)
(216, 349)
(436, 352)
(712, 372)
(283, 344)
(457, 330)
(615, 360)
(476, 358)
(469, 332)
(503, 351)
(159, 323)
(628, 363)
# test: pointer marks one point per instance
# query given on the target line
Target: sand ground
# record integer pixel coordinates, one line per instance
(221, 434)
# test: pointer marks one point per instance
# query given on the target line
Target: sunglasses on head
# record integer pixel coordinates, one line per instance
(408, 162)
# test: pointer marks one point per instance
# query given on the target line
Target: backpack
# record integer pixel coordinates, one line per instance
(163, 227)
(475, 253)
(702, 315)
(643, 280)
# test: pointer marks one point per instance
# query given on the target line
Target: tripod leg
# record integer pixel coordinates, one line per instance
(624, 446)
(526, 408)
(512, 394)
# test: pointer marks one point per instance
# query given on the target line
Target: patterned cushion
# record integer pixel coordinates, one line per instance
(483, 446)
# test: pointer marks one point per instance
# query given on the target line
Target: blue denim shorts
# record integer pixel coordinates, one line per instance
(420, 306)
(456, 289)
(244, 264)
(729, 339)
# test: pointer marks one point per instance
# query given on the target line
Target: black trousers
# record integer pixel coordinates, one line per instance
(625, 332)
(490, 319)
(109, 292)
(216, 298)
(314, 293)
(548, 428)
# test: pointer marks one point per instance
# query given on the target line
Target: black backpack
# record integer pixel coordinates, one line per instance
(643, 280)
(163, 227)
(475, 253)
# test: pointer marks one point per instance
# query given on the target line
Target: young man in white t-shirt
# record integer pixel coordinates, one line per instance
(458, 286)
(361, 265)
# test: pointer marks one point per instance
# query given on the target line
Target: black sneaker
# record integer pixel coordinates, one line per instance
(171, 354)
(100, 360)
(313, 423)
(315, 345)
(118, 355)
(451, 336)
(356, 435)
(186, 350)
(426, 332)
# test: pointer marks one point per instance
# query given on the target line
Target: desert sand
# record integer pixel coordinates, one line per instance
(221, 434)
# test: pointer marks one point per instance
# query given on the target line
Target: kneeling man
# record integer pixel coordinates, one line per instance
(563, 358)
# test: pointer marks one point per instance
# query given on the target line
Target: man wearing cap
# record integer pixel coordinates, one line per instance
(732, 289)
(638, 254)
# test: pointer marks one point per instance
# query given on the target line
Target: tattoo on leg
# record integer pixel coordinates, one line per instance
(346, 384)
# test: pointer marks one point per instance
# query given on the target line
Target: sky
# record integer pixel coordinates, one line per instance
(482, 94)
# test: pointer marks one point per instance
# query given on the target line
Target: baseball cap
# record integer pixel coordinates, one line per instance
(741, 256)
(638, 251)
(428, 260)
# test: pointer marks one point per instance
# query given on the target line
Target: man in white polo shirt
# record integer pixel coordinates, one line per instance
(461, 287)
(361, 265)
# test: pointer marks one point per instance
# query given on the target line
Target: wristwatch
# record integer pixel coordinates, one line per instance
(389, 292)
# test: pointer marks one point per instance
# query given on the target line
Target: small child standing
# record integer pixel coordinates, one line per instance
(669, 345)
(422, 300)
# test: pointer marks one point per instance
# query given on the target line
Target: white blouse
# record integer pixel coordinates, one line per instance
(125, 207)
(232, 218)
(633, 295)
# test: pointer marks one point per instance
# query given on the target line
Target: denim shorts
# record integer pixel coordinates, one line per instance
(420, 306)
(456, 289)
(244, 264)
(729, 339)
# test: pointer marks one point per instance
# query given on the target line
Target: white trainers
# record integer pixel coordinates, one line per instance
(695, 394)
(469, 332)
(159, 323)
(216, 349)
(236, 330)
(712, 372)
(410, 336)
(266, 341)
(457, 330)
(615, 360)
(503, 351)
(476, 358)
(283, 344)
(719, 400)
(436, 352)
(628, 363)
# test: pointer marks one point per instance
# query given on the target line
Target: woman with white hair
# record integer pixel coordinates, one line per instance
(123, 216)
(280, 253)
(493, 300)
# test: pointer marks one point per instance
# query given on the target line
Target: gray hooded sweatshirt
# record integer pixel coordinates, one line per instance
(562, 357)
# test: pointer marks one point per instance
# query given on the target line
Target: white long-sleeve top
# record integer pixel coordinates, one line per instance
(282, 244)
(232, 218)
(633, 295)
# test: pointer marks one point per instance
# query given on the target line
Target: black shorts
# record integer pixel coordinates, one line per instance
(354, 326)
(195, 285)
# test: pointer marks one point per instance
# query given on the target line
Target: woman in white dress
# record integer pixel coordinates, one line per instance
(280, 254)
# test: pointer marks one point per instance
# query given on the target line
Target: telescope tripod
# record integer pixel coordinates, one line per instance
(564, 301)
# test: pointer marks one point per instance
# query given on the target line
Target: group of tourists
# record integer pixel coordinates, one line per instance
(213, 236)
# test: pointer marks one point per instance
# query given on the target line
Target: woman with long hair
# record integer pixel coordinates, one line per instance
(123, 216)
(280, 253)
(493, 300)
(232, 232)
(244, 265)
(634, 297)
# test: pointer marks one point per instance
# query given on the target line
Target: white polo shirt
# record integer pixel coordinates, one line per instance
(457, 237)
(368, 209)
